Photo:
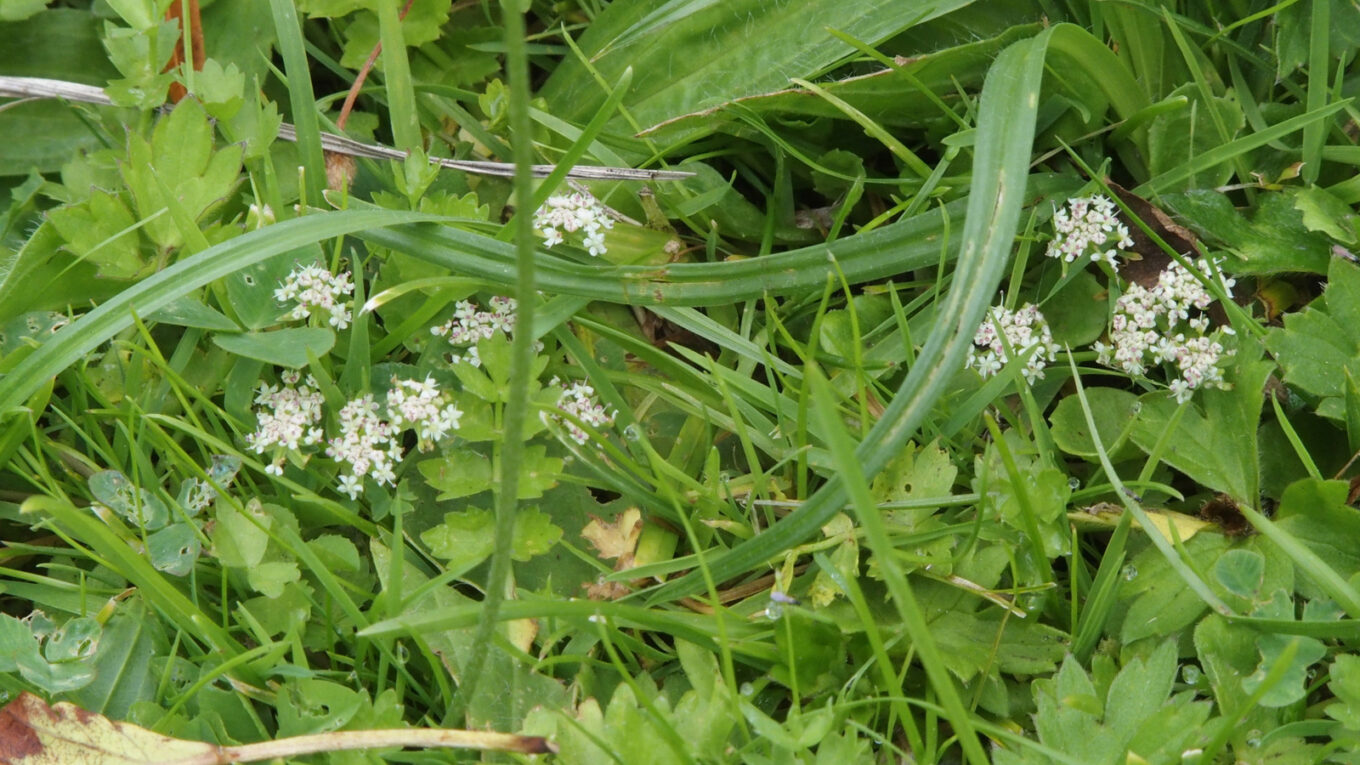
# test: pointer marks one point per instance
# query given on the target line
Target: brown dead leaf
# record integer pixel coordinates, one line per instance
(617, 540)
(35, 733)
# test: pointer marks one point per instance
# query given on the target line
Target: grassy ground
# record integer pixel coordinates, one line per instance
(977, 381)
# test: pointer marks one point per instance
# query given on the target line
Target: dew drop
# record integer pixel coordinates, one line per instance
(1254, 739)
(747, 689)
(1191, 674)
(631, 433)
(1074, 483)
(1130, 572)
(402, 655)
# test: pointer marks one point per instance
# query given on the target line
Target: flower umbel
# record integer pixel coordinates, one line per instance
(470, 324)
(421, 406)
(1166, 325)
(1088, 225)
(316, 289)
(1023, 332)
(288, 417)
(578, 400)
(571, 213)
(366, 444)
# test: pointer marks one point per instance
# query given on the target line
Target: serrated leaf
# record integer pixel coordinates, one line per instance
(282, 347)
(467, 537)
(1139, 690)
(270, 577)
(1323, 211)
(1345, 686)
(1319, 345)
(460, 473)
(238, 541)
(1214, 441)
(100, 230)
(1274, 240)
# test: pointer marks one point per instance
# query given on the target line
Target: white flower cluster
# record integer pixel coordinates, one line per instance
(1166, 324)
(1088, 225)
(288, 417)
(420, 406)
(1023, 332)
(366, 442)
(317, 289)
(578, 400)
(571, 213)
(369, 441)
(470, 324)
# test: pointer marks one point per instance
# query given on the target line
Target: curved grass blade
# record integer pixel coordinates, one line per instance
(1005, 137)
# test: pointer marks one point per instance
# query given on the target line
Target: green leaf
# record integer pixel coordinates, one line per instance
(270, 577)
(1316, 514)
(99, 230)
(1113, 410)
(460, 473)
(1293, 685)
(537, 471)
(679, 43)
(76, 640)
(138, 506)
(1076, 313)
(191, 312)
(467, 537)
(283, 347)
(1274, 240)
(1345, 687)
(179, 159)
(239, 541)
(1156, 601)
(125, 664)
(1177, 137)
(1320, 345)
(1214, 439)
(17, 644)
(1139, 691)
(1323, 211)
(174, 549)
(1240, 572)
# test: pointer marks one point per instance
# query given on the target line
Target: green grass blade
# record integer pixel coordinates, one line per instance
(847, 463)
(308, 128)
(93, 329)
(1005, 136)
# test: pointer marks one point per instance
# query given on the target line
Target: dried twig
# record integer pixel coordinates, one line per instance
(36, 87)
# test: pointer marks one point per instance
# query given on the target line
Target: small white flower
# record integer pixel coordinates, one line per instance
(578, 400)
(351, 486)
(572, 213)
(1166, 325)
(1025, 333)
(1088, 226)
(317, 290)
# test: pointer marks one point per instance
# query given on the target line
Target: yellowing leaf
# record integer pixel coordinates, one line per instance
(33, 733)
(616, 540)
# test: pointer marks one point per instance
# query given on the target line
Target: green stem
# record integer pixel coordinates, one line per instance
(521, 350)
